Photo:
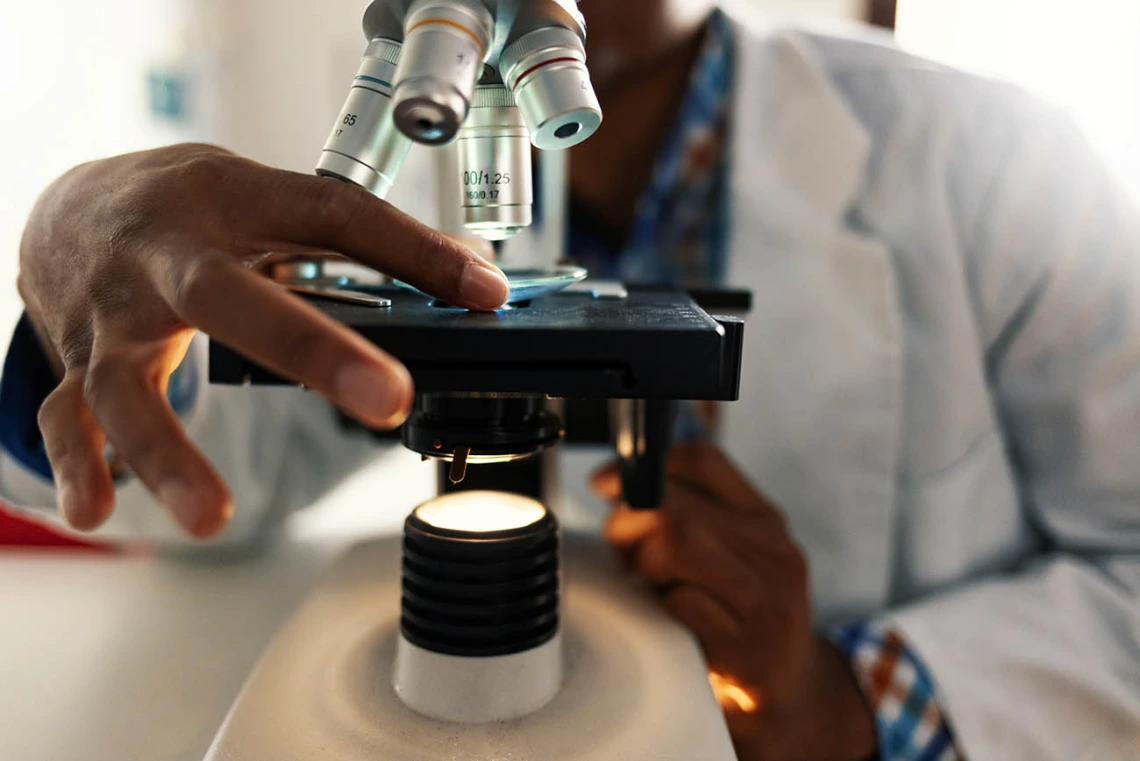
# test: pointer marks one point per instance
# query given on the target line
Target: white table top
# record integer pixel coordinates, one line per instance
(138, 658)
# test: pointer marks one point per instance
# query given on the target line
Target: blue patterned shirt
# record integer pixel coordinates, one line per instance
(679, 234)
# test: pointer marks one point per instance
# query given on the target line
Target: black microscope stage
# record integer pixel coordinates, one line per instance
(651, 344)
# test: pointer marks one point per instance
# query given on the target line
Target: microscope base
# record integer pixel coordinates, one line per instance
(635, 687)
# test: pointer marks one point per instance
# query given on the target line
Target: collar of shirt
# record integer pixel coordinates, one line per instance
(679, 233)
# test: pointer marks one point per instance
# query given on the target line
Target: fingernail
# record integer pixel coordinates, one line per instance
(378, 397)
(483, 287)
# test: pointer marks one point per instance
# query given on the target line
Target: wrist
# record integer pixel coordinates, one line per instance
(851, 721)
(828, 719)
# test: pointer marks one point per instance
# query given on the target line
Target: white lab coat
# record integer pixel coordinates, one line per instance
(941, 385)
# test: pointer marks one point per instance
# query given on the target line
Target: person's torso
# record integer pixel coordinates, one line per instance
(865, 411)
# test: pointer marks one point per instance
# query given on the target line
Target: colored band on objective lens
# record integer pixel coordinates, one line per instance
(454, 24)
(538, 66)
(366, 78)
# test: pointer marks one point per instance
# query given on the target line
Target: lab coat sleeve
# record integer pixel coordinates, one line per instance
(1045, 663)
(279, 449)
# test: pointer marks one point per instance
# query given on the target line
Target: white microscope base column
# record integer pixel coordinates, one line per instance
(635, 688)
(477, 690)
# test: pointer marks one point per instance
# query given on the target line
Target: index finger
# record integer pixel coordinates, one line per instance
(263, 321)
(286, 209)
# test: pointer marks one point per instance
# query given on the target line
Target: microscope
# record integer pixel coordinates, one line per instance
(485, 633)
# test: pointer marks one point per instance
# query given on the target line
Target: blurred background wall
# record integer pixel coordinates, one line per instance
(80, 80)
(1084, 56)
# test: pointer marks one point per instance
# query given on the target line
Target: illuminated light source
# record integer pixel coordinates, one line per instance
(731, 695)
(479, 512)
(479, 620)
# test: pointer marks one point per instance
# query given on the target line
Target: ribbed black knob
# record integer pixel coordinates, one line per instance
(479, 593)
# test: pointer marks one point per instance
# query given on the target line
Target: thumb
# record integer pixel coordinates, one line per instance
(606, 483)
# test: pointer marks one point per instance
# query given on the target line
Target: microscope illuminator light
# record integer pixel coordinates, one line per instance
(480, 626)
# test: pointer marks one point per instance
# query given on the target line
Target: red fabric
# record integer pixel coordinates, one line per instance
(16, 531)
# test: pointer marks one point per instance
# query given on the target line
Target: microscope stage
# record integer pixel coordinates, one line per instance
(650, 344)
(635, 688)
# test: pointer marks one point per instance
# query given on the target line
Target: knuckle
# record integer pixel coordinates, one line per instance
(336, 205)
(426, 255)
(192, 179)
(100, 381)
(137, 216)
(206, 165)
(114, 291)
(75, 344)
(196, 282)
(303, 348)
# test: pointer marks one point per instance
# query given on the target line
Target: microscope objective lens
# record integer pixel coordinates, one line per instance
(495, 166)
(568, 130)
(364, 147)
(445, 44)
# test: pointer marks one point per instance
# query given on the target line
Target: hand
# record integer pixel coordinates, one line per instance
(723, 560)
(123, 259)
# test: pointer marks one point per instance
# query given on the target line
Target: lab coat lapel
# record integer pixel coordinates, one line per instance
(818, 422)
